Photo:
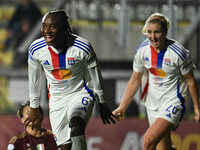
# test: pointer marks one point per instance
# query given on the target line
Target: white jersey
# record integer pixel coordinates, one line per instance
(165, 72)
(66, 69)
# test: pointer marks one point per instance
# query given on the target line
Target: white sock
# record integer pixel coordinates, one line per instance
(79, 143)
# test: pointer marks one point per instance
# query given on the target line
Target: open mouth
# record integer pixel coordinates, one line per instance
(154, 42)
(49, 39)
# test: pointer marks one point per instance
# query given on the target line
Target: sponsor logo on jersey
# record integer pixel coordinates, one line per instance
(158, 72)
(71, 60)
(62, 74)
(167, 61)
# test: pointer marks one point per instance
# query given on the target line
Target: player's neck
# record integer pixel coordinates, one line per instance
(162, 46)
(63, 42)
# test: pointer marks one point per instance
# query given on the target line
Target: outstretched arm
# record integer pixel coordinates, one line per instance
(132, 87)
(104, 110)
(194, 93)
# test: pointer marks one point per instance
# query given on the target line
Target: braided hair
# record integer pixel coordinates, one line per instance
(64, 19)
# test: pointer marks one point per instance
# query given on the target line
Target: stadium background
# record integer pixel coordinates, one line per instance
(114, 29)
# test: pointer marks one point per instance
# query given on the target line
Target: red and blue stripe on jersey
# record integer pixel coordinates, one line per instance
(156, 58)
(58, 60)
(157, 62)
(60, 71)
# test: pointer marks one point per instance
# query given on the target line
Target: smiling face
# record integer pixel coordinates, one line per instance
(53, 31)
(156, 35)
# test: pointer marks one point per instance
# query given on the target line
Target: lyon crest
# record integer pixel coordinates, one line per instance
(71, 60)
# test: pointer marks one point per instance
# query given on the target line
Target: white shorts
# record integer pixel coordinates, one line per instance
(76, 105)
(170, 112)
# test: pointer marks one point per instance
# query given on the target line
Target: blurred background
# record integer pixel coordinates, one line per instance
(113, 27)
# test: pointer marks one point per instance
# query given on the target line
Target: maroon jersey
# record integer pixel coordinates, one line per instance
(25, 141)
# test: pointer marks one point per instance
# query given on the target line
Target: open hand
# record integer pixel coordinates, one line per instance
(35, 118)
(106, 114)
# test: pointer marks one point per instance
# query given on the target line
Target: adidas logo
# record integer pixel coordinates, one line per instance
(46, 62)
(168, 115)
(83, 108)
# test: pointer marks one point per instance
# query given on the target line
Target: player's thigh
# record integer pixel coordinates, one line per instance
(60, 125)
(160, 129)
(165, 143)
(173, 113)
(81, 106)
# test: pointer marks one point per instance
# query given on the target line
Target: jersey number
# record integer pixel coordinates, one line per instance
(85, 103)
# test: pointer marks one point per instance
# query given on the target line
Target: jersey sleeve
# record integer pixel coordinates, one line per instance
(91, 59)
(34, 76)
(186, 64)
(92, 65)
(138, 63)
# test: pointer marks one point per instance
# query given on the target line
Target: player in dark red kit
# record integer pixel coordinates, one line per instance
(35, 138)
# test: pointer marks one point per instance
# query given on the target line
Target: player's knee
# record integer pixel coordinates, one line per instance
(77, 126)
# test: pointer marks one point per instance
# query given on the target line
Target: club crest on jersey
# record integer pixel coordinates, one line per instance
(71, 60)
(167, 61)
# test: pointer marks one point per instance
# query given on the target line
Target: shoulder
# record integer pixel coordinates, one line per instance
(178, 50)
(143, 45)
(49, 135)
(80, 39)
(142, 49)
(37, 44)
(47, 132)
(82, 44)
(14, 139)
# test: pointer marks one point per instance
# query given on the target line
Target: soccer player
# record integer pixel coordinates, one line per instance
(169, 72)
(35, 138)
(74, 81)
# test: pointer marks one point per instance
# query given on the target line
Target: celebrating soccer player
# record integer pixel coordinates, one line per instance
(70, 64)
(169, 72)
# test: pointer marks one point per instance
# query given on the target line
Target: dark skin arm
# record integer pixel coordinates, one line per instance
(35, 117)
(105, 113)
